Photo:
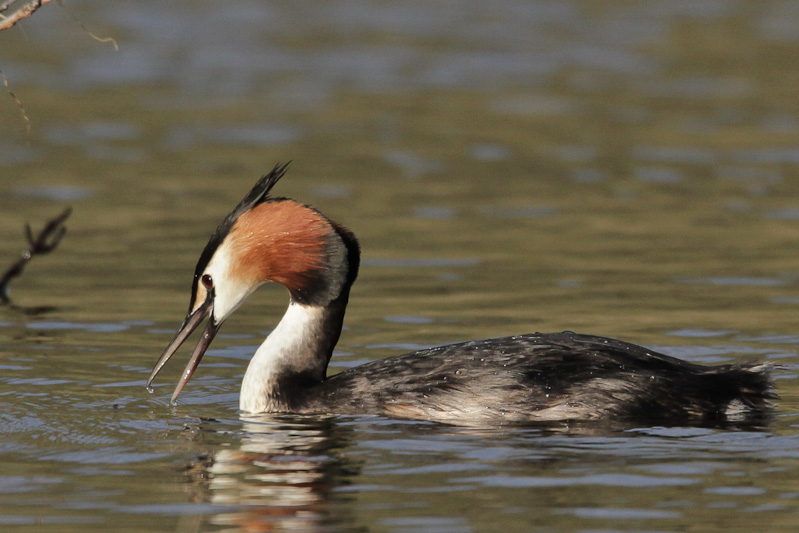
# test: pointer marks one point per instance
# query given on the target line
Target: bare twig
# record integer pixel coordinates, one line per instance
(45, 242)
(84, 28)
(24, 12)
(18, 101)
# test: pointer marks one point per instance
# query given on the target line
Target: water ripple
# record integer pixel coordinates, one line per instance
(604, 480)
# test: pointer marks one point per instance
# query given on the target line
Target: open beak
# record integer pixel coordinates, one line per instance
(193, 320)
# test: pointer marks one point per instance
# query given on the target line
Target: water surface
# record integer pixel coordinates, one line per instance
(618, 168)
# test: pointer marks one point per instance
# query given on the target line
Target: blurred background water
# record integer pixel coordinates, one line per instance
(624, 168)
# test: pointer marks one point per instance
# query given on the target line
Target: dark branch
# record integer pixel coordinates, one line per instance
(45, 242)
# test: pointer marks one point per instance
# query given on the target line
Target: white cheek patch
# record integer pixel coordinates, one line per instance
(229, 291)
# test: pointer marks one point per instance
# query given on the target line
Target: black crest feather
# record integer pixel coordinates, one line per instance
(259, 192)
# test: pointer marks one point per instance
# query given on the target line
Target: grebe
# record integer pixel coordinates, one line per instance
(526, 378)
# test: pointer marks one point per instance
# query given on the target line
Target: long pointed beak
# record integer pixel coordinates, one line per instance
(189, 325)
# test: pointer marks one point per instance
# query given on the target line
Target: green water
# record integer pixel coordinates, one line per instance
(626, 169)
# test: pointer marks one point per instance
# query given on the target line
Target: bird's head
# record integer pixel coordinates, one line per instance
(264, 239)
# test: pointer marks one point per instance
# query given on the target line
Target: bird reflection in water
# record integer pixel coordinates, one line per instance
(282, 476)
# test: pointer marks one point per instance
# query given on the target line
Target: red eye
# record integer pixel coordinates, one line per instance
(207, 281)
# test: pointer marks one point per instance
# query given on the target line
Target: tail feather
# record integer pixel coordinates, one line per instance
(748, 390)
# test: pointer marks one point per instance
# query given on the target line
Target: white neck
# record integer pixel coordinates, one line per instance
(296, 352)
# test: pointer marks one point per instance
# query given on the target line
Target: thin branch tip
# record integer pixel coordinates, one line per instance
(45, 242)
